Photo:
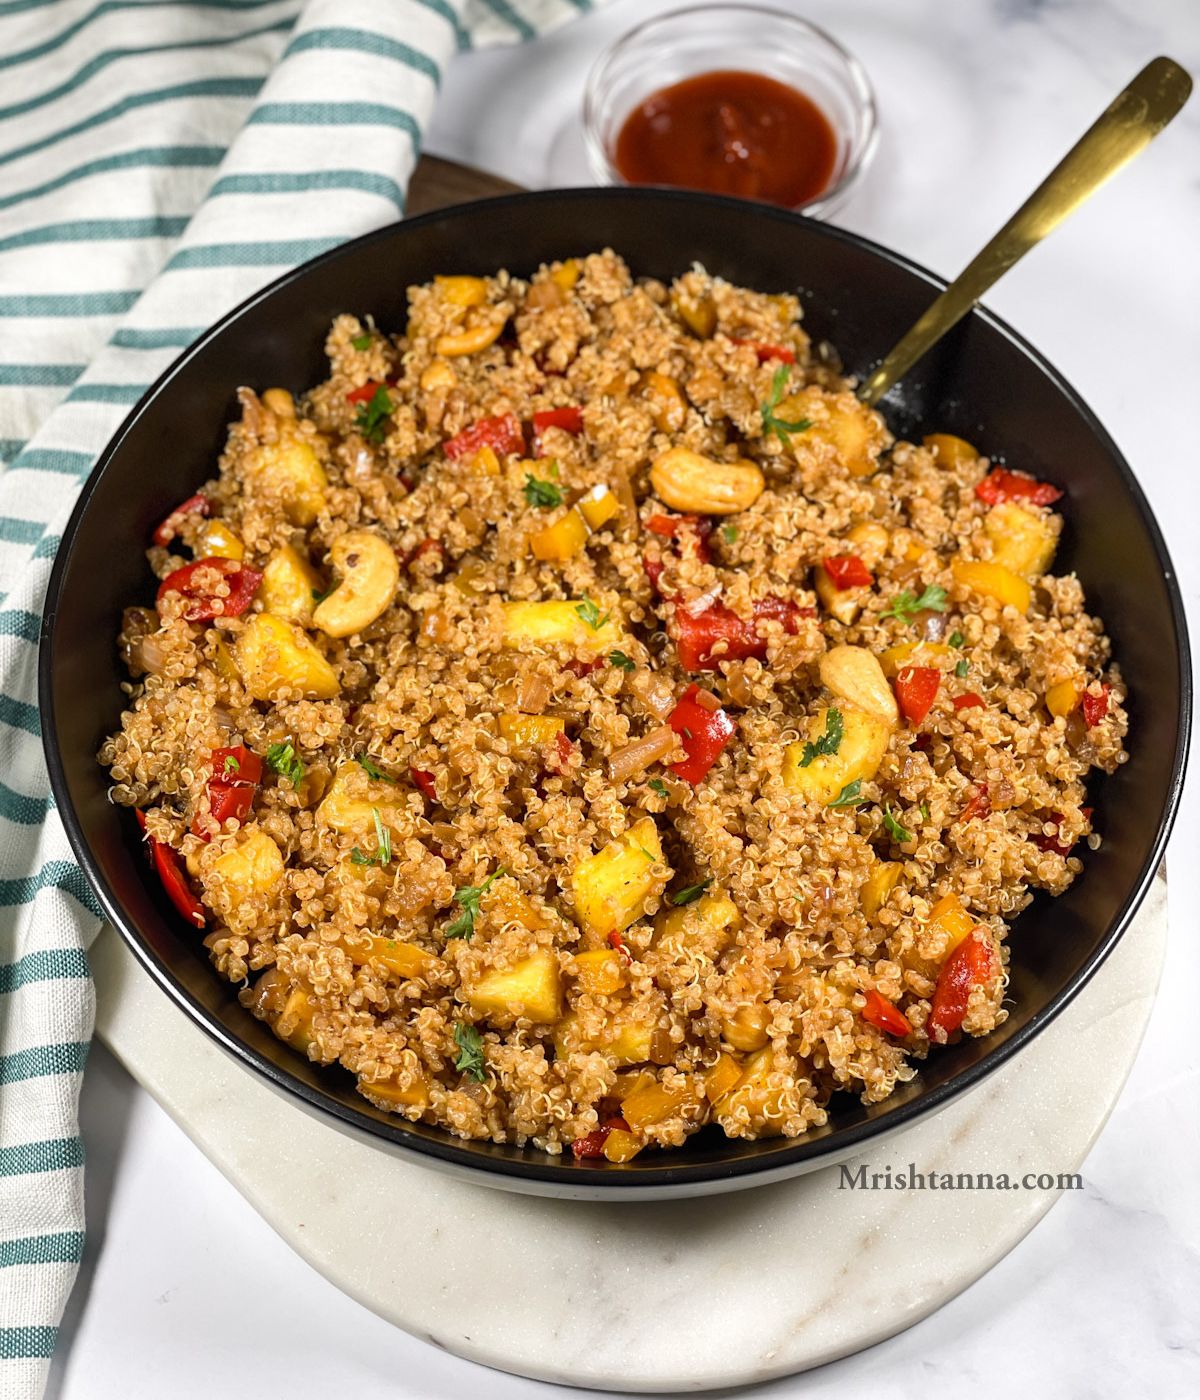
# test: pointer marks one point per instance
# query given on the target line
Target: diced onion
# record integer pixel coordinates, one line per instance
(639, 755)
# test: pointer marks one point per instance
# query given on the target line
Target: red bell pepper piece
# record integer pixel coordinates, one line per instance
(194, 505)
(968, 701)
(653, 568)
(502, 434)
(243, 584)
(1094, 707)
(617, 943)
(563, 749)
(848, 571)
(686, 530)
(880, 1012)
(980, 804)
(427, 546)
(765, 351)
(424, 781)
(703, 732)
(1052, 843)
(969, 965)
(593, 1144)
(174, 880)
(236, 774)
(698, 633)
(570, 420)
(916, 689)
(365, 392)
(584, 668)
(1001, 485)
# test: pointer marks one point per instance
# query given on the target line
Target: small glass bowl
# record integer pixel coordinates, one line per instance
(753, 39)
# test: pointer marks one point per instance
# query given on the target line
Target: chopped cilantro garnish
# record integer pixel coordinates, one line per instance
(621, 661)
(897, 832)
(689, 892)
(828, 743)
(470, 1046)
(370, 417)
(906, 605)
(591, 614)
(657, 785)
(729, 533)
(463, 925)
(957, 639)
(962, 668)
(232, 765)
(383, 845)
(924, 811)
(648, 854)
(372, 769)
(362, 342)
(850, 795)
(319, 594)
(543, 494)
(284, 760)
(781, 428)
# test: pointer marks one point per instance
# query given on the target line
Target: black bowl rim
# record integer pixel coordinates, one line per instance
(802, 1154)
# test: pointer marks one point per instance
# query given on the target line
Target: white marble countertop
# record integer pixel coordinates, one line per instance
(185, 1293)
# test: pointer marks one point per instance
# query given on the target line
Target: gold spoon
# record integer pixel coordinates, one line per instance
(1130, 123)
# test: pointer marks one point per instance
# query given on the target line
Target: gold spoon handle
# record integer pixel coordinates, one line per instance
(1131, 122)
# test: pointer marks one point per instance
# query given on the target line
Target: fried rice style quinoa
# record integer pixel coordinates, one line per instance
(579, 718)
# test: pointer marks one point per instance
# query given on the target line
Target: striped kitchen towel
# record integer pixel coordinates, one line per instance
(159, 161)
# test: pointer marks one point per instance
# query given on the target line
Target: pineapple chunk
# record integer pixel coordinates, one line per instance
(853, 430)
(289, 582)
(599, 972)
(844, 604)
(882, 880)
(531, 989)
(275, 658)
(290, 472)
(709, 924)
(951, 919)
(406, 960)
(625, 1040)
(353, 798)
(755, 1094)
(864, 743)
(253, 867)
(994, 581)
(1022, 540)
(560, 623)
(612, 887)
(562, 540)
(530, 731)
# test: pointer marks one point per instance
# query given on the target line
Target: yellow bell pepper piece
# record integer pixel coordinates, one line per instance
(462, 291)
(599, 972)
(994, 581)
(952, 919)
(217, 541)
(1062, 698)
(562, 540)
(620, 1146)
(882, 880)
(721, 1077)
(599, 506)
(950, 451)
(566, 274)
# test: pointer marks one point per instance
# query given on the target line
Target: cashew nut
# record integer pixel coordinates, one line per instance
(368, 572)
(854, 675)
(686, 481)
(470, 342)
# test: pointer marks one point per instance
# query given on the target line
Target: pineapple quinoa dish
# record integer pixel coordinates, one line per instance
(579, 719)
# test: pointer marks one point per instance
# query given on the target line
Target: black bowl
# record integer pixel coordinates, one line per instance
(983, 382)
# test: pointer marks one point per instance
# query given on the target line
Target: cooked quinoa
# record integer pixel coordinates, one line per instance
(581, 720)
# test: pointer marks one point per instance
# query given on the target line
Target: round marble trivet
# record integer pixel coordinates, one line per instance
(686, 1295)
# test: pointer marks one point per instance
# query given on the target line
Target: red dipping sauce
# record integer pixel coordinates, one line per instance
(732, 133)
